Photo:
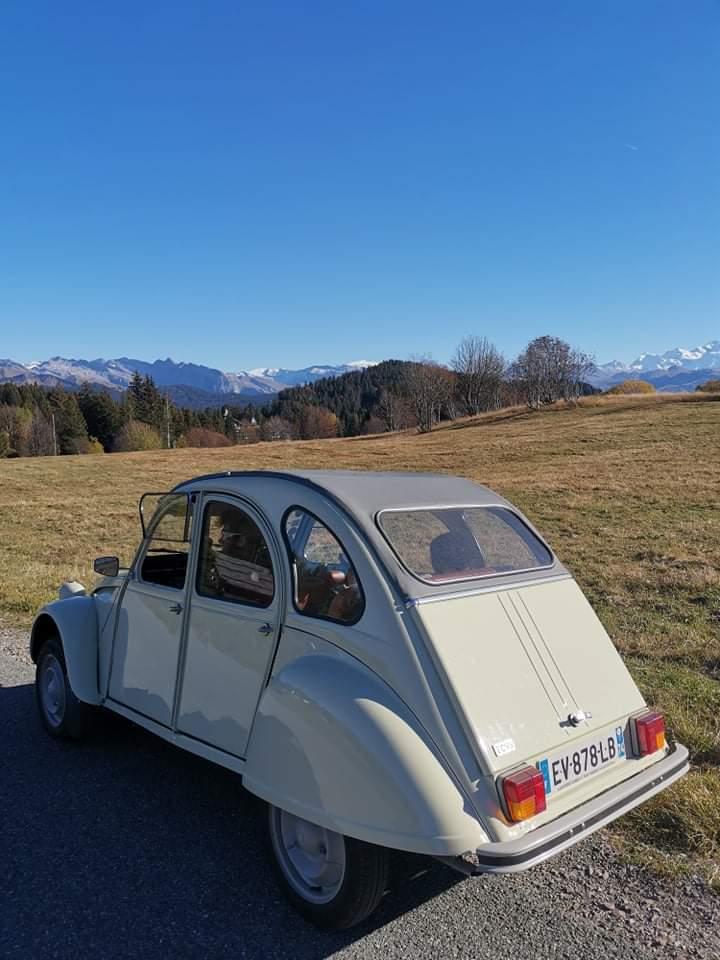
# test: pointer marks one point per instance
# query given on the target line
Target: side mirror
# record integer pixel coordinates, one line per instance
(107, 566)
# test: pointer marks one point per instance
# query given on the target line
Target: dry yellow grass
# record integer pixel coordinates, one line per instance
(626, 489)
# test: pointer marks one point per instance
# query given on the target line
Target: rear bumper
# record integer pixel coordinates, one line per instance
(534, 847)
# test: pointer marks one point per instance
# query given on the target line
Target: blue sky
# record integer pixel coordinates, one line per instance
(242, 184)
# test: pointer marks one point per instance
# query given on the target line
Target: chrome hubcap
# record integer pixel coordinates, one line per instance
(311, 857)
(52, 690)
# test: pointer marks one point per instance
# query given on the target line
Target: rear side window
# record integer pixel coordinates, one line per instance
(326, 584)
(462, 543)
(234, 561)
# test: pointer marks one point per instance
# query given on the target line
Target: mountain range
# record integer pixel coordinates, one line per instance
(675, 370)
(205, 383)
(193, 384)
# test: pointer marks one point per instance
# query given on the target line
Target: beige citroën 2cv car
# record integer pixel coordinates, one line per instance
(389, 660)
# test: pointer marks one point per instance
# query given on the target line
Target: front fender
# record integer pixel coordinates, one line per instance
(333, 744)
(74, 620)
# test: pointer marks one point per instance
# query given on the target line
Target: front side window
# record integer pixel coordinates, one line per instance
(462, 543)
(165, 560)
(326, 584)
(234, 561)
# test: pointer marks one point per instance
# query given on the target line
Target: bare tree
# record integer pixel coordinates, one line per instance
(40, 440)
(373, 424)
(318, 423)
(550, 369)
(427, 387)
(479, 366)
(276, 428)
(393, 410)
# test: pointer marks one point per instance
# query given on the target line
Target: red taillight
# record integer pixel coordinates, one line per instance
(650, 732)
(524, 792)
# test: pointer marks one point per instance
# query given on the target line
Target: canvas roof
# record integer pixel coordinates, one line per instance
(363, 494)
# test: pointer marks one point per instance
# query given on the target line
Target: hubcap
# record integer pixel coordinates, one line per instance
(52, 690)
(311, 857)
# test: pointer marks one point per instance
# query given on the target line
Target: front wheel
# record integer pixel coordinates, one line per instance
(61, 712)
(332, 880)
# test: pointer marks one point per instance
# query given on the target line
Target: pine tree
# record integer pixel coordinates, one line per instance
(103, 416)
(70, 426)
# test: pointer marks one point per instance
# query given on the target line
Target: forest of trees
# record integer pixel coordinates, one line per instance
(393, 395)
(37, 421)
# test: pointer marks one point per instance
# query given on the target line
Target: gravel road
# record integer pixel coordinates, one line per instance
(124, 846)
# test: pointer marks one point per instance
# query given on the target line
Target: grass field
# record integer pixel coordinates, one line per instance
(626, 490)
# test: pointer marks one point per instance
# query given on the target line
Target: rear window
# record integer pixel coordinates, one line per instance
(462, 543)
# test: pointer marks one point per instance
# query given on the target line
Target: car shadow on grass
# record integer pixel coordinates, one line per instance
(123, 845)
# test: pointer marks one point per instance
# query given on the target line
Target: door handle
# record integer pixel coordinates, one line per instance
(175, 608)
(266, 629)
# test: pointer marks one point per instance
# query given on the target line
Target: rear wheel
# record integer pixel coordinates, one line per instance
(61, 712)
(332, 880)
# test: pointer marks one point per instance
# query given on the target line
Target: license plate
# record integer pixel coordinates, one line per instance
(582, 760)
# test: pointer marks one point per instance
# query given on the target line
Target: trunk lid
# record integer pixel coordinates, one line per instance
(518, 661)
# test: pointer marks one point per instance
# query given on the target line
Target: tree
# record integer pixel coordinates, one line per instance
(146, 402)
(10, 395)
(427, 389)
(550, 369)
(15, 423)
(632, 386)
(374, 425)
(202, 437)
(276, 428)
(317, 423)
(393, 409)
(136, 435)
(69, 423)
(136, 397)
(40, 439)
(103, 416)
(479, 367)
(710, 386)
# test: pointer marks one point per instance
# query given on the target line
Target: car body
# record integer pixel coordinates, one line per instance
(390, 660)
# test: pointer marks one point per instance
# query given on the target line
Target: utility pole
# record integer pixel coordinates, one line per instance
(52, 417)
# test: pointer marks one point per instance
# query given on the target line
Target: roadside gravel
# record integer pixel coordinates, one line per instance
(148, 851)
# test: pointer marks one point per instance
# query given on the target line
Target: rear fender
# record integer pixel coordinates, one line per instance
(332, 743)
(74, 621)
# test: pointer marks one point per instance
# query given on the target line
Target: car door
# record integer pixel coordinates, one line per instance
(233, 624)
(148, 631)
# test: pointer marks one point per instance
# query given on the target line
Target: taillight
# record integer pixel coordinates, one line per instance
(524, 792)
(650, 733)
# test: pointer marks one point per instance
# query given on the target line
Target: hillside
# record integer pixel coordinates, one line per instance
(625, 490)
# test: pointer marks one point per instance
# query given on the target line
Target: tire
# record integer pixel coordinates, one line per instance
(61, 713)
(334, 881)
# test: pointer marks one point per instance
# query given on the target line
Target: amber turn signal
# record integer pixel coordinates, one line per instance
(524, 792)
(650, 733)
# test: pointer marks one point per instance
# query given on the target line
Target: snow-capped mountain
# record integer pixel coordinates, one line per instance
(293, 378)
(116, 374)
(706, 357)
(677, 369)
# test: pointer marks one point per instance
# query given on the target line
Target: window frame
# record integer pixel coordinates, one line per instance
(145, 547)
(208, 500)
(149, 528)
(465, 506)
(293, 572)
